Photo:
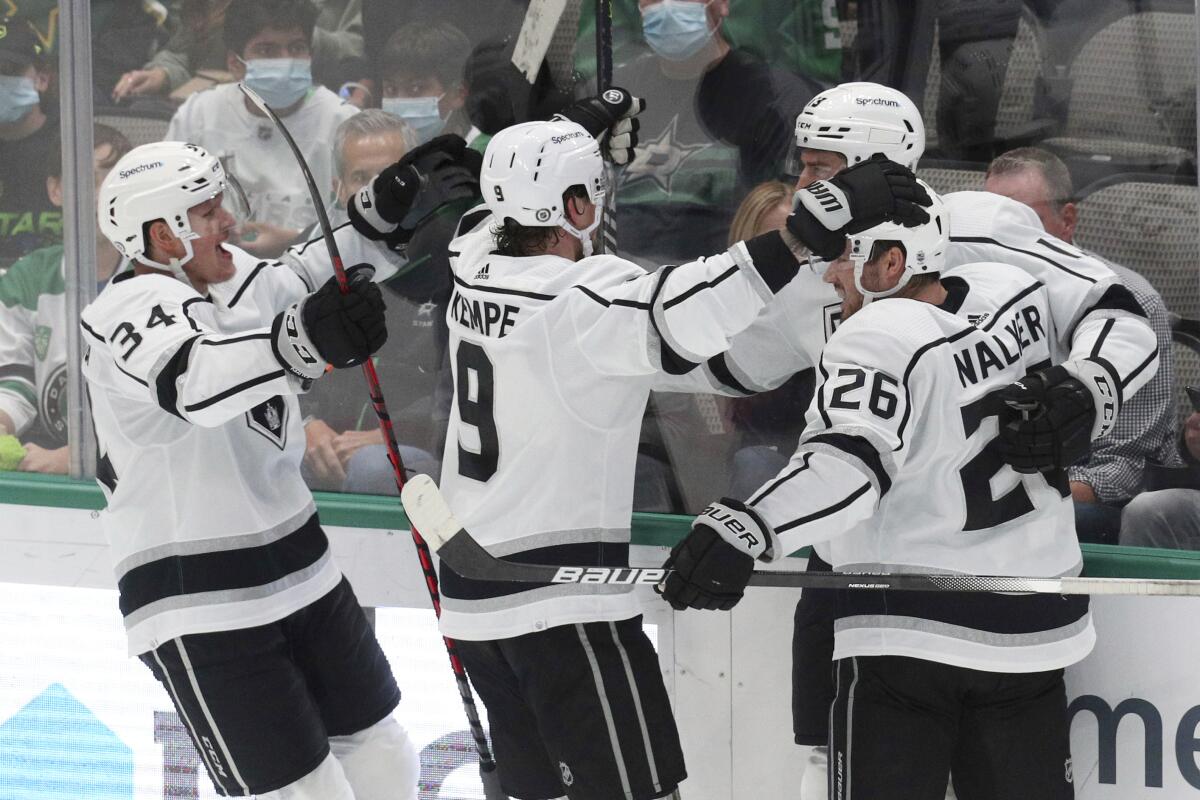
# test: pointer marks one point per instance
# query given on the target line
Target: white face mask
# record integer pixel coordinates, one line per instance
(676, 29)
(282, 82)
(421, 114)
(18, 96)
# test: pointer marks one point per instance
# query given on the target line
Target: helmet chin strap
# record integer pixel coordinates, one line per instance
(869, 295)
(175, 265)
(584, 235)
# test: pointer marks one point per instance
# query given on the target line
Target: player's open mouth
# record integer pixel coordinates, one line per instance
(224, 253)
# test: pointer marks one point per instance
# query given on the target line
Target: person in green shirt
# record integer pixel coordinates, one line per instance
(34, 330)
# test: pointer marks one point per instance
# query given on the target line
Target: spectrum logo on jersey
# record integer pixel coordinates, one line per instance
(127, 173)
(622, 576)
(876, 101)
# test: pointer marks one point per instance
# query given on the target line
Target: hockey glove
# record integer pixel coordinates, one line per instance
(330, 327)
(875, 191)
(713, 563)
(609, 118)
(398, 199)
(1055, 414)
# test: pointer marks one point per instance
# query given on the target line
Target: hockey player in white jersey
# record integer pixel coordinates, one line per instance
(555, 351)
(918, 383)
(227, 586)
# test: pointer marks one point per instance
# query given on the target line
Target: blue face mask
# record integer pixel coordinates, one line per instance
(421, 114)
(282, 82)
(676, 29)
(18, 97)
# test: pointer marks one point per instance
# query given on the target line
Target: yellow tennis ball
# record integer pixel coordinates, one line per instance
(11, 453)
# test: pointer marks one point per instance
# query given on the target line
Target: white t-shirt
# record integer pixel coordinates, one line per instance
(254, 151)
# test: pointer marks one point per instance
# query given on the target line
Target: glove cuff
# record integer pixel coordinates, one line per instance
(292, 347)
(742, 528)
(1105, 388)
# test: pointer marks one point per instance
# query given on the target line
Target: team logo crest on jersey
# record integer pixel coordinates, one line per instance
(41, 341)
(269, 419)
(1069, 770)
(833, 318)
(568, 777)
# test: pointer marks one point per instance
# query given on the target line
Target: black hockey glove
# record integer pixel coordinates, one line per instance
(875, 191)
(609, 118)
(713, 563)
(328, 327)
(1054, 414)
(398, 199)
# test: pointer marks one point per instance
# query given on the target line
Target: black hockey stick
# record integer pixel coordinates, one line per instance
(427, 509)
(487, 764)
(604, 78)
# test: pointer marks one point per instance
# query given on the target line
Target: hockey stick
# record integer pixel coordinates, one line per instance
(604, 77)
(487, 764)
(427, 509)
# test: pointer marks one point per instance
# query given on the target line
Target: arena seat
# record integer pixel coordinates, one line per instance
(1146, 223)
(952, 176)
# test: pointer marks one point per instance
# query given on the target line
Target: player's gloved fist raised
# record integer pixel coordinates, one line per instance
(400, 197)
(609, 118)
(329, 327)
(875, 191)
(713, 563)
(1052, 416)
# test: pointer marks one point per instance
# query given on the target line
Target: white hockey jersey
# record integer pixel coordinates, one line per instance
(210, 525)
(895, 470)
(553, 362)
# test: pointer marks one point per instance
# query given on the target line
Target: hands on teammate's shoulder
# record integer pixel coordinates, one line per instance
(860, 197)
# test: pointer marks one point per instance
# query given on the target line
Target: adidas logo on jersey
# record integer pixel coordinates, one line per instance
(978, 319)
(482, 275)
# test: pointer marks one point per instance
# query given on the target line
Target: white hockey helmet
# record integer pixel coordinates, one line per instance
(924, 246)
(859, 120)
(160, 180)
(527, 167)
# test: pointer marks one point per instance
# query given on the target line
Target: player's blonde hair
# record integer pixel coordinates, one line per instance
(747, 222)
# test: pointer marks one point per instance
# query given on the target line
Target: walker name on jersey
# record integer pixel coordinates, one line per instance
(623, 576)
(482, 316)
(976, 360)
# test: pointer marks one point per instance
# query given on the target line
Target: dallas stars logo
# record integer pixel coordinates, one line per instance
(659, 159)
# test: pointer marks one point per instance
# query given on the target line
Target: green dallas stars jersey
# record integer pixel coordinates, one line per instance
(33, 347)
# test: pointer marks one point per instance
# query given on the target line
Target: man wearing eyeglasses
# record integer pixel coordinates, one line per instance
(269, 47)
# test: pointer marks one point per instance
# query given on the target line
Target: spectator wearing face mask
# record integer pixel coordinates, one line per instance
(28, 220)
(421, 70)
(718, 121)
(269, 46)
(197, 45)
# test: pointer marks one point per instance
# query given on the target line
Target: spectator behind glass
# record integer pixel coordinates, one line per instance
(1116, 468)
(197, 45)
(770, 423)
(1169, 517)
(716, 122)
(269, 46)
(34, 327)
(421, 68)
(345, 449)
(28, 220)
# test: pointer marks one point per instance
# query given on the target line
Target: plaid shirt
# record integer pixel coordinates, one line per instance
(1145, 429)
